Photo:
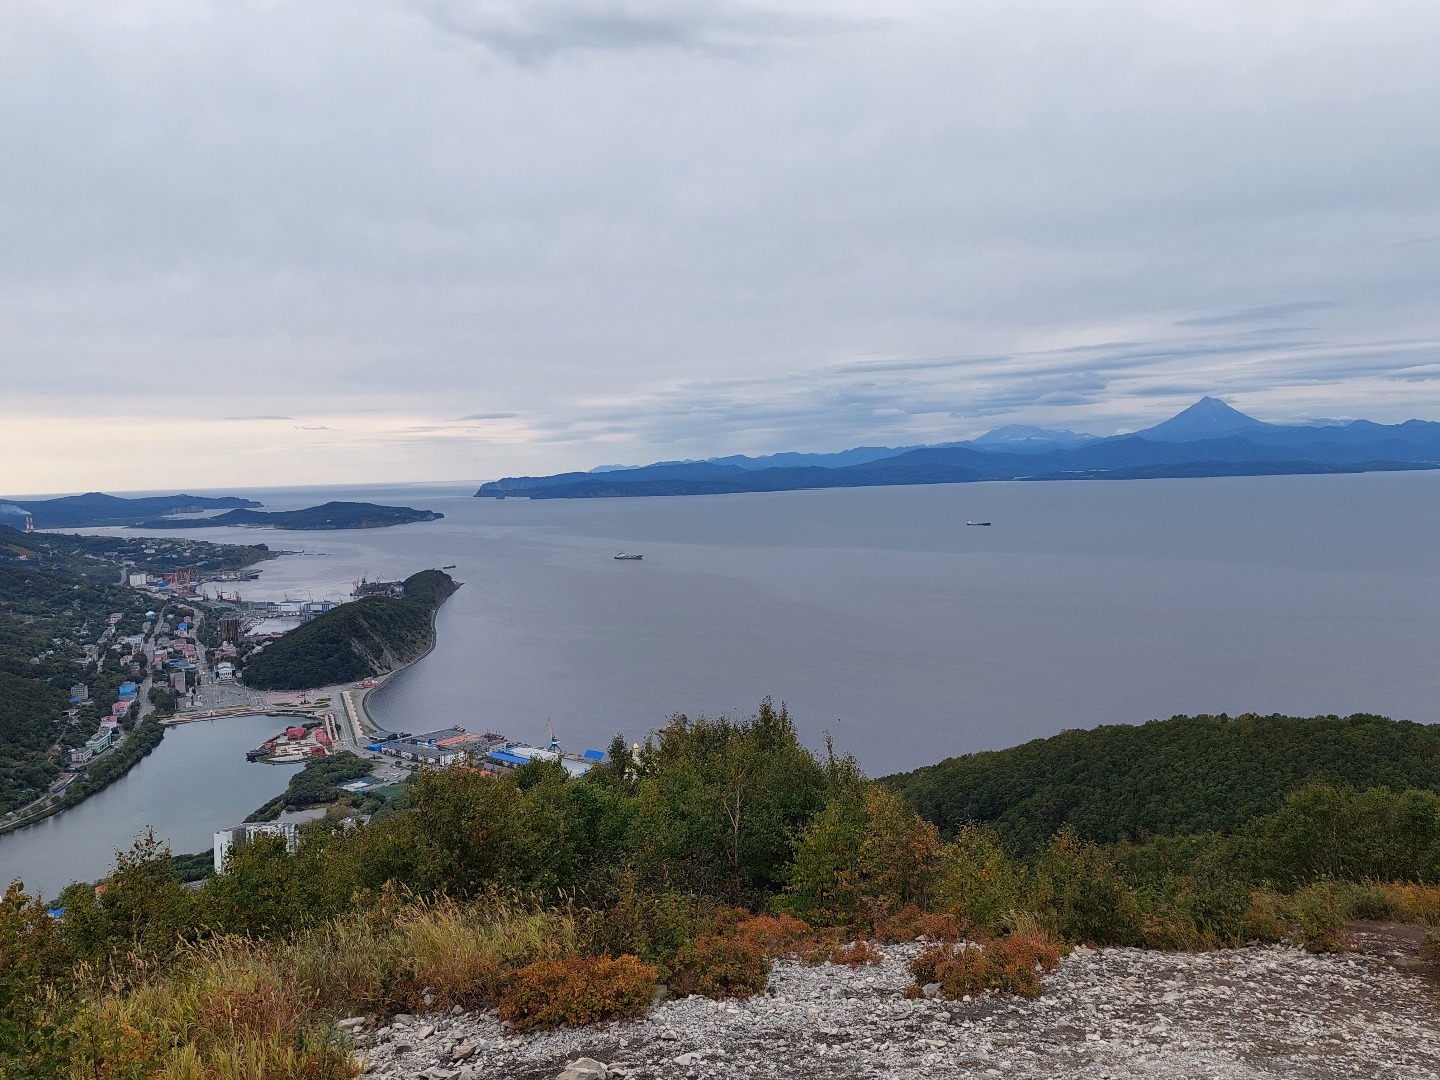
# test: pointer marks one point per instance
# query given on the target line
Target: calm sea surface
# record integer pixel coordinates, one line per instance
(880, 617)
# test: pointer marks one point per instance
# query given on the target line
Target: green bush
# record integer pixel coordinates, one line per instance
(978, 882)
(1081, 897)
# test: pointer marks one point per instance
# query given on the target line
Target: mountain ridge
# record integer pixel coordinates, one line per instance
(1209, 438)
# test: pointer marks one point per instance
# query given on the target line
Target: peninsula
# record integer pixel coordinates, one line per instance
(370, 636)
(1208, 439)
(327, 516)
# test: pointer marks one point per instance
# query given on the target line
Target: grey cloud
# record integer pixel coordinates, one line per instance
(531, 30)
(745, 225)
(1262, 313)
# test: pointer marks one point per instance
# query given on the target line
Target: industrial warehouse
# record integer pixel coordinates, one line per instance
(455, 745)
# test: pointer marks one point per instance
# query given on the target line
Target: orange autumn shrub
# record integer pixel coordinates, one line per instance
(716, 966)
(577, 991)
(772, 935)
(857, 954)
(1009, 966)
(910, 923)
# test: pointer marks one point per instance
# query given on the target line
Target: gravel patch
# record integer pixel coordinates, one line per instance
(1242, 1014)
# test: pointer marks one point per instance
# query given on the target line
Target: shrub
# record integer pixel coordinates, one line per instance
(978, 882)
(651, 926)
(857, 954)
(1081, 895)
(577, 991)
(716, 966)
(34, 961)
(1010, 966)
(911, 924)
(1267, 916)
(774, 935)
(1320, 917)
(865, 853)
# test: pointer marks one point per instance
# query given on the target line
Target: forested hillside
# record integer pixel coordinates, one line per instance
(716, 846)
(1188, 774)
(357, 640)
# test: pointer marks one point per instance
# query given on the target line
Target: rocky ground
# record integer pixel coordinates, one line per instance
(1242, 1014)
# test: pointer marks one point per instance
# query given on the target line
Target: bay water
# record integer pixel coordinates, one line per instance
(882, 618)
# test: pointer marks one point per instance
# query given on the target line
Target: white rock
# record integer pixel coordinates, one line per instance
(584, 1069)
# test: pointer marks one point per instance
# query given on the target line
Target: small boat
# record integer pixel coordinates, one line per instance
(628, 558)
(450, 567)
(977, 523)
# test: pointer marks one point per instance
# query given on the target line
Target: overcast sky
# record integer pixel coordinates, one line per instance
(250, 242)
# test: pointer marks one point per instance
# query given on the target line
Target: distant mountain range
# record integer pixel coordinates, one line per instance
(95, 508)
(1208, 439)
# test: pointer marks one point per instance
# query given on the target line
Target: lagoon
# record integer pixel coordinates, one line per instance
(195, 782)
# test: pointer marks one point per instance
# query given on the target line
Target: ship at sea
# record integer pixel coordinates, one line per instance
(628, 557)
(977, 523)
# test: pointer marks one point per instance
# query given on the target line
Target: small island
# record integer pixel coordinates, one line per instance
(370, 636)
(331, 515)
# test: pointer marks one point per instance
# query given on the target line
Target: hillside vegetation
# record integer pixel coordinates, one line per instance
(720, 844)
(1188, 774)
(358, 640)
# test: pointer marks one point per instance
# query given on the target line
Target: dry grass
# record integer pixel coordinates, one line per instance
(460, 957)
(1415, 903)
(228, 1009)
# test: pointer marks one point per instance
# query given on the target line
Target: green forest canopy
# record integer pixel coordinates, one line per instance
(1188, 774)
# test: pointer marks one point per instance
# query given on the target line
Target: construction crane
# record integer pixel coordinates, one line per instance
(554, 742)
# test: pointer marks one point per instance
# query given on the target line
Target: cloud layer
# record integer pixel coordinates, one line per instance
(402, 239)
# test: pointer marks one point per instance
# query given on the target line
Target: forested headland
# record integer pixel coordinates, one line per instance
(326, 516)
(358, 640)
(718, 845)
(1188, 774)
